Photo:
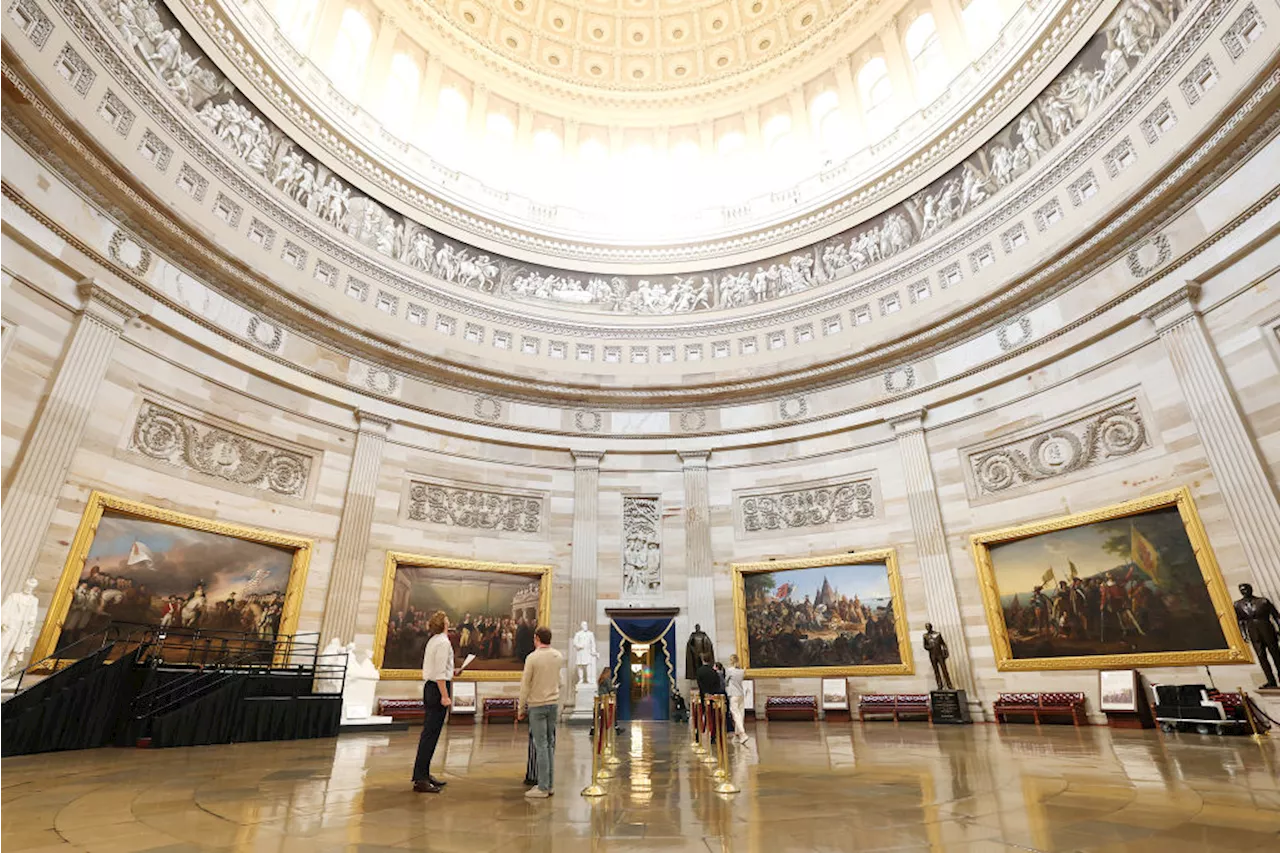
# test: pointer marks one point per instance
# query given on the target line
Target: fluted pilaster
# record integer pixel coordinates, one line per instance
(941, 602)
(33, 495)
(697, 538)
(351, 549)
(1242, 477)
(586, 539)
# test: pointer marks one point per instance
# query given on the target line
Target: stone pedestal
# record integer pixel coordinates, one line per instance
(583, 703)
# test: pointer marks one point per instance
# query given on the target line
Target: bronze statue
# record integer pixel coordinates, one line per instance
(936, 646)
(699, 645)
(1260, 623)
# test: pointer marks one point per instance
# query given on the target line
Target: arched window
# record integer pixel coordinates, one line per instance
(776, 132)
(444, 138)
(296, 18)
(499, 130)
(874, 87)
(400, 96)
(823, 104)
(924, 48)
(983, 20)
(350, 52)
(547, 143)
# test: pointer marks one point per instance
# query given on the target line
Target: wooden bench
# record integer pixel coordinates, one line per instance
(1040, 706)
(893, 706)
(791, 708)
(401, 710)
(502, 707)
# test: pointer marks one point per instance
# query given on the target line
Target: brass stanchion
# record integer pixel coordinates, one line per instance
(1248, 713)
(696, 718)
(611, 758)
(602, 732)
(597, 748)
(726, 785)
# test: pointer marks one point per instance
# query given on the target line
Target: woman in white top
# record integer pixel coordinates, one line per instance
(437, 696)
(733, 686)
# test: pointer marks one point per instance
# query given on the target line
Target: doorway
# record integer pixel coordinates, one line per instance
(641, 653)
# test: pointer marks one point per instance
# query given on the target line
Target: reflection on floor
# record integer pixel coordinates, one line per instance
(805, 787)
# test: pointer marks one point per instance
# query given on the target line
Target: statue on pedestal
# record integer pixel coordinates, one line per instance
(362, 684)
(329, 667)
(585, 655)
(17, 627)
(936, 646)
(699, 646)
(1259, 622)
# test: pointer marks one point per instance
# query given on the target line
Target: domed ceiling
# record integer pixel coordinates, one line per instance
(643, 45)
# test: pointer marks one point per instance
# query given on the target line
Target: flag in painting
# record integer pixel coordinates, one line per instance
(1144, 555)
(784, 591)
(1048, 576)
(1072, 566)
(140, 554)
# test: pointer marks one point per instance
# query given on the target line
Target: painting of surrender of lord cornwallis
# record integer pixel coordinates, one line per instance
(155, 40)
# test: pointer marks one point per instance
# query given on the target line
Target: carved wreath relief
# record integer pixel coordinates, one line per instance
(1114, 432)
(173, 58)
(641, 545)
(161, 433)
(456, 506)
(814, 506)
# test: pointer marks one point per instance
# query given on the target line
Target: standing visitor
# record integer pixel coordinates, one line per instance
(737, 692)
(540, 700)
(437, 677)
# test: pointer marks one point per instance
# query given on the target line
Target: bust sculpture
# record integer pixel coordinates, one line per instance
(698, 647)
(1260, 623)
(585, 655)
(17, 627)
(936, 646)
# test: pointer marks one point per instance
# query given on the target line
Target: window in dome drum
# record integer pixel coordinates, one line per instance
(804, 333)
(639, 355)
(693, 352)
(529, 346)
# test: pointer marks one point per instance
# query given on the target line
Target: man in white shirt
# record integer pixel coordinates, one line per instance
(540, 701)
(437, 677)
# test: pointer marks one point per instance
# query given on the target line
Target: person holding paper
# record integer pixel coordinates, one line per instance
(437, 677)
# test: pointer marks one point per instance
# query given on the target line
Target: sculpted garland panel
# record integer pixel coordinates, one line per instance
(455, 506)
(151, 33)
(170, 436)
(808, 506)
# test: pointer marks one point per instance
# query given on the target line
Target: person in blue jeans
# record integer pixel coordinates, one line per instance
(540, 701)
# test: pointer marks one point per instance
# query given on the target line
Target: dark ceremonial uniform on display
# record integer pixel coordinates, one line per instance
(699, 646)
(1258, 619)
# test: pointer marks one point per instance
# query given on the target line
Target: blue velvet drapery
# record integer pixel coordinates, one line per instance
(660, 633)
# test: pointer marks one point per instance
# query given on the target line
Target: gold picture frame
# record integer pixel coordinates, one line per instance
(100, 503)
(398, 559)
(886, 556)
(981, 544)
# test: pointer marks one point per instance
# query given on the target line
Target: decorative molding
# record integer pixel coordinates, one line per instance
(1243, 32)
(1163, 253)
(487, 408)
(32, 21)
(900, 379)
(1009, 339)
(129, 253)
(1079, 440)
(1203, 77)
(793, 408)
(114, 112)
(1188, 294)
(72, 68)
(693, 420)
(162, 433)
(588, 421)
(641, 545)
(807, 505)
(474, 507)
(267, 335)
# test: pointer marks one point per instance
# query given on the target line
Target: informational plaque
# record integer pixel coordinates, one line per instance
(948, 707)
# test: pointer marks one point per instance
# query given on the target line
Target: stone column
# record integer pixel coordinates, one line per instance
(699, 565)
(379, 66)
(901, 74)
(325, 34)
(42, 470)
(946, 17)
(351, 548)
(428, 96)
(941, 602)
(585, 568)
(1242, 477)
(478, 117)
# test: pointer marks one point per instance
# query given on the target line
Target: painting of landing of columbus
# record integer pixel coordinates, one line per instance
(493, 609)
(1129, 585)
(838, 615)
(134, 564)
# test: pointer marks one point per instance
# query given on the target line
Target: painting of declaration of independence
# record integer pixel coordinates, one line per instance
(1127, 585)
(831, 615)
(493, 609)
(133, 563)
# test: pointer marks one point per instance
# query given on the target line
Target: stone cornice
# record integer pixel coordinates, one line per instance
(105, 306)
(1183, 298)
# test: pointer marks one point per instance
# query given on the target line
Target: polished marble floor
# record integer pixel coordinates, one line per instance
(805, 787)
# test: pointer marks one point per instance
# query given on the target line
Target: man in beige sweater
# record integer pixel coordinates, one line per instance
(540, 701)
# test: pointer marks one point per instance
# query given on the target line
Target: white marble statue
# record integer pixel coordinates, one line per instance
(330, 677)
(362, 684)
(17, 627)
(585, 655)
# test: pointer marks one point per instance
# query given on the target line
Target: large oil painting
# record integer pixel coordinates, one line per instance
(493, 609)
(1128, 585)
(833, 616)
(134, 564)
